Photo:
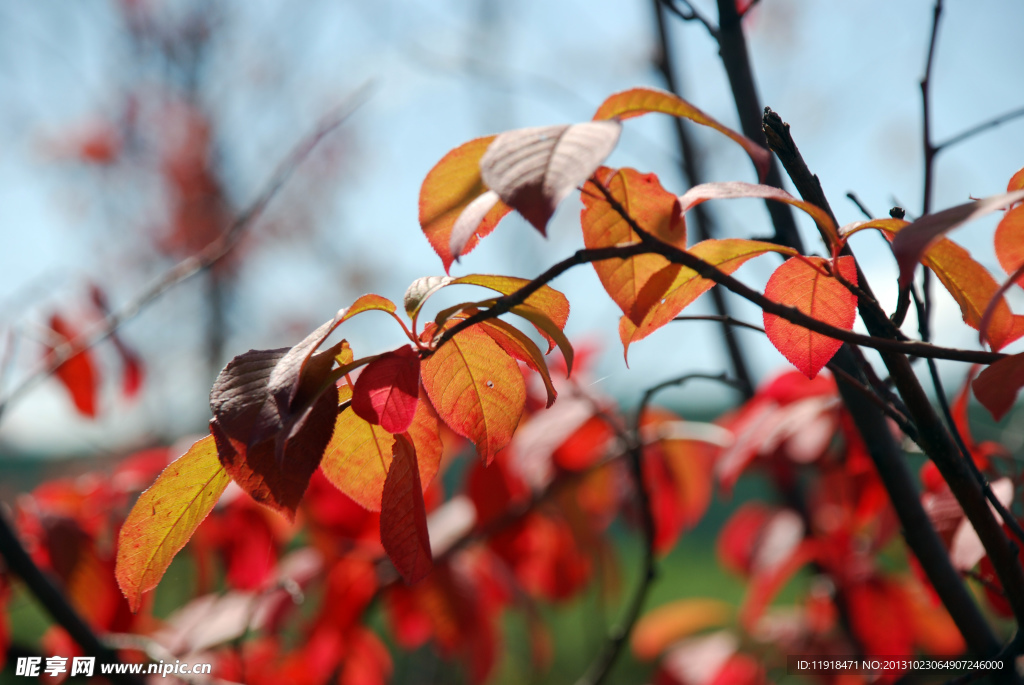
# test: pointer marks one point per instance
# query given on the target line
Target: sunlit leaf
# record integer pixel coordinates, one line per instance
(636, 101)
(670, 290)
(477, 390)
(165, 517)
(533, 169)
(387, 390)
(419, 290)
(737, 189)
(547, 301)
(447, 190)
(550, 329)
(997, 386)
(660, 628)
(911, 242)
(1009, 241)
(365, 303)
(356, 460)
(799, 284)
(517, 344)
(403, 516)
(656, 211)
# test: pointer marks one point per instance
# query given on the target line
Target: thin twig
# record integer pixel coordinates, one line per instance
(190, 266)
(930, 151)
(723, 319)
(860, 205)
(601, 667)
(690, 13)
(979, 128)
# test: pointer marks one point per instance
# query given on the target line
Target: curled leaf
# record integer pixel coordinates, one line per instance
(997, 386)
(637, 101)
(165, 517)
(534, 169)
(78, 373)
(911, 242)
(419, 290)
(737, 189)
(447, 190)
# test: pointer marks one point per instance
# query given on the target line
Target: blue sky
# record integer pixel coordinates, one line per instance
(844, 75)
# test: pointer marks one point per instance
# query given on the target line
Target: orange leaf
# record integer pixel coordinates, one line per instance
(656, 211)
(517, 344)
(357, 459)
(637, 101)
(365, 303)
(1016, 181)
(737, 189)
(533, 169)
(997, 386)
(970, 283)
(477, 389)
(660, 628)
(78, 373)
(448, 189)
(799, 284)
(911, 243)
(403, 516)
(165, 517)
(670, 290)
(553, 304)
(387, 390)
(1009, 241)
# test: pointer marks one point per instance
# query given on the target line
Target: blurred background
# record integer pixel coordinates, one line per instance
(131, 131)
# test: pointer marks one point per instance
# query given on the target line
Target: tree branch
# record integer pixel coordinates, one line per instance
(699, 219)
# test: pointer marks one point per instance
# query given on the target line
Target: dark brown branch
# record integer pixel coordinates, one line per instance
(699, 218)
(690, 13)
(204, 259)
(732, 46)
(53, 600)
(926, 118)
(936, 443)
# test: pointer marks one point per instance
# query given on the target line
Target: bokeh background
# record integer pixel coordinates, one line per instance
(131, 130)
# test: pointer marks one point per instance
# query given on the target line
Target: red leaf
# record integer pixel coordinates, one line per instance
(387, 390)
(1009, 241)
(78, 373)
(403, 517)
(799, 284)
(997, 386)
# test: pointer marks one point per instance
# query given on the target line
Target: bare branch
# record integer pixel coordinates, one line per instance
(690, 13)
(979, 128)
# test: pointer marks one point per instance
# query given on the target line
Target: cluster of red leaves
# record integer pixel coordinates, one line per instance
(350, 448)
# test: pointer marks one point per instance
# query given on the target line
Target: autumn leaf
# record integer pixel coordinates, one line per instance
(533, 169)
(78, 372)
(359, 454)
(798, 283)
(737, 189)
(447, 190)
(1009, 241)
(970, 284)
(517, 344)
(997, 386)
(387, 390)
(658, 629)
(165, 517)
(477, 390)
(656, 211)
(279, 483)
(637, 101)
(669, 291)
(403, 516)
(420, 289)
(911, 243)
